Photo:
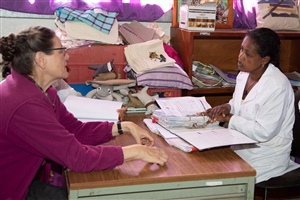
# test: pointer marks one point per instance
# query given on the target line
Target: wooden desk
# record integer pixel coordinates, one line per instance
(211, 174)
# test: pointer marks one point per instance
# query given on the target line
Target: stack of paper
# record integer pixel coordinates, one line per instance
(210, 136)
(169, 137)
(183, 106)
(181, 112)
(87, 109)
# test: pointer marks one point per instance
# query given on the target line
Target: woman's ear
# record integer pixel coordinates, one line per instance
(40, 59)
(265, 60)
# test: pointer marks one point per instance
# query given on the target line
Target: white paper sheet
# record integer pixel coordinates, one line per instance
(169, 137)
(87, 109)
(183, 106)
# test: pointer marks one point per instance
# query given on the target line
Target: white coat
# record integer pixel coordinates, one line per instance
(267, 116)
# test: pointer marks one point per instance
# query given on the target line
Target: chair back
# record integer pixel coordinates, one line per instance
(296, 128)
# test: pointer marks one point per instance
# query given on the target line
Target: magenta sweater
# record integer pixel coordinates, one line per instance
(33, 129)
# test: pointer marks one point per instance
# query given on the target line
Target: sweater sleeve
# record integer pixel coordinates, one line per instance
(45, 131)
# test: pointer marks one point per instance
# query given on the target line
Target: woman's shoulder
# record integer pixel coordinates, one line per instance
(276, 76)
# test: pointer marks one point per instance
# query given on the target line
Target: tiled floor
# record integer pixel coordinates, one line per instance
(280, 194)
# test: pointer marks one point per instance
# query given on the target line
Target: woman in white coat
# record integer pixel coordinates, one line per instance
(262, 106)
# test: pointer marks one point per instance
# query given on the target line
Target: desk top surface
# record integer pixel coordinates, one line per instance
(210, 164)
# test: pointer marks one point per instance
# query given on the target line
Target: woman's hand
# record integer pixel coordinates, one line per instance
(219, 113)
(140, 135)
(149, 154)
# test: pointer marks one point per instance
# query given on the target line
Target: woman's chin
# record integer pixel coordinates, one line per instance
(65, 75)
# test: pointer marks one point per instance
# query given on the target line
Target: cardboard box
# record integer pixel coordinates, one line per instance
(198, 18)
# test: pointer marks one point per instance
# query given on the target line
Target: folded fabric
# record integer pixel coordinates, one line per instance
(81, 30)
(278, 15)
(68, 41)
(165, 77)
(135, 32)
(173, 54)
(147, 55)
(101, 21)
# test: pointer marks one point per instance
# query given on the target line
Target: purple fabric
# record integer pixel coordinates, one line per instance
(147, 13)
(173, 54)
(243, 18)
(126, 11)
(297, 158)
(52, 173)
(165, 77)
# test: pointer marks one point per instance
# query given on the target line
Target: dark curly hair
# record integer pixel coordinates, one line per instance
(267, 43)
(18, 50)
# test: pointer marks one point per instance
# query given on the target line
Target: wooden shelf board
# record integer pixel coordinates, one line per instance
(210, 91)
(238, 33)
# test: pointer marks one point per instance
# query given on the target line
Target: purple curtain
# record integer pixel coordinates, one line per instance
(243, 18)
(127, 12)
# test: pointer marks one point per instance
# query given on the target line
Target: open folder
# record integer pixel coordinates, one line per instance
(204, 138)
(211, 137)
(87, 109)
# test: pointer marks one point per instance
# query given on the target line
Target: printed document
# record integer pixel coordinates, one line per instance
(183, 106)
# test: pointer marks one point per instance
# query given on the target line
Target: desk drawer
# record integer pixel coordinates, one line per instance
(180, 190)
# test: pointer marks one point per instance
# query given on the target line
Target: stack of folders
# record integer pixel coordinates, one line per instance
(175, 124)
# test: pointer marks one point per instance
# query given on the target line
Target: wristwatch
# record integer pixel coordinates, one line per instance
(120, 131)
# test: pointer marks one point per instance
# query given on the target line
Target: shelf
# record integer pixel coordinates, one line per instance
(237, 33)
(211, 91)
(221, 49)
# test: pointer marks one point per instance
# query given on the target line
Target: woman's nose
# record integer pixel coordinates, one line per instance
(67, 56)
(241, 55)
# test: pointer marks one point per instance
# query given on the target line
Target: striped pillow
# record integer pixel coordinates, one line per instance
(165, 77)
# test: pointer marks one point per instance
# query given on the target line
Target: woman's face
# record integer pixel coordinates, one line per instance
(57, 61)
(249, 60)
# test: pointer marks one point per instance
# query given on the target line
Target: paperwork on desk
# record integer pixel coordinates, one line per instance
(181, 112)
(205, 138)
(169, 137)
(182, 106)
(87, 109)
(210, 136)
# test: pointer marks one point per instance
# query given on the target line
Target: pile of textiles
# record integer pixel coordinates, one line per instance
(152, 60)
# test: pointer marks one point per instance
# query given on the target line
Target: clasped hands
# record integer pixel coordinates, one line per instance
(219, 113)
